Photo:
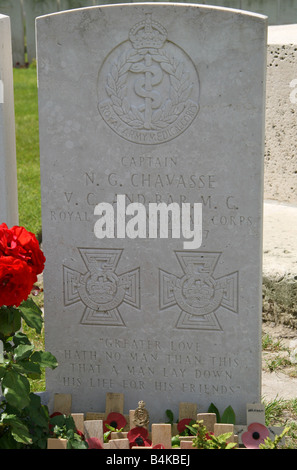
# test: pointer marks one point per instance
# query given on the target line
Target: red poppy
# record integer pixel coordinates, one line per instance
(94, 443)
(181, 425)
(139, 437)
(255, 435)
(159, 446)
(114, 420)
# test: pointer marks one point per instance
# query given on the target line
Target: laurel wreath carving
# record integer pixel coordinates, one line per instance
(180, 90)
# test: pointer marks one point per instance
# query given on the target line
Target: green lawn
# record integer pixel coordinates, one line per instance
(27, 148)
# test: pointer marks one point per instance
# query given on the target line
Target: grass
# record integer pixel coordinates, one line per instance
(27, 148)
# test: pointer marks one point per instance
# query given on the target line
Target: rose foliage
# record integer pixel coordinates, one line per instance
(23, 419)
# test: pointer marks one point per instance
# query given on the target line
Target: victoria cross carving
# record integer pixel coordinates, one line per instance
(148, 87)
(100, 289)
(198, 293)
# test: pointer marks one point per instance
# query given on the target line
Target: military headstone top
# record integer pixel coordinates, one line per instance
(8, 168)
(151, 141)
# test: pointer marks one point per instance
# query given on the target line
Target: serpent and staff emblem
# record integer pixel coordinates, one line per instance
(148, 87)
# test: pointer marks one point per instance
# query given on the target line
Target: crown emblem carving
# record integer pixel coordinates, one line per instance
(148, 34)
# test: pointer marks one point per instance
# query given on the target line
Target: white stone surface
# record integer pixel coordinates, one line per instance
(8, 172)
(282, 34)
(279, 240)
(281, 123)
(176, 120)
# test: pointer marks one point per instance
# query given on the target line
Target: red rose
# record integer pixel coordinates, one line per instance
(16, 280)
(21, 244)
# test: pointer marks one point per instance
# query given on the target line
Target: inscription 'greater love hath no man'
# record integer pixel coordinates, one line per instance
(185, 368)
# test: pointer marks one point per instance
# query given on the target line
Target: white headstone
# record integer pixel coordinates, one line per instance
(161, 103)
(15, 12)
(8, 169)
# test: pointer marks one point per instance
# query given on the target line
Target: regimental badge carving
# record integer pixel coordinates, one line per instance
(148, 87)
(100, 288)
(198, 293)
(141, 416)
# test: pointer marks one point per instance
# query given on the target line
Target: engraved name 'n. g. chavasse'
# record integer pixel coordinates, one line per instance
(150, 85)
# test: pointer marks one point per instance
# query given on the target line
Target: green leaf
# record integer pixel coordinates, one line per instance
(77, 444)
(20, 338)
(228, 416)
(16, 389)
(213, 409)
(32, 314)
(192, 430)
(3, 370)
(45, 359)
(18, 429)
(175, 441)
(32, 369)
(106, 436)
(10, 321)
(38, 413)
(170, 416)
(58, 420)
(8, 442)
(22, 351)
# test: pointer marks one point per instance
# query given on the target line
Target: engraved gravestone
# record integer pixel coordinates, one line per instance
(8, 167)
(153, 107)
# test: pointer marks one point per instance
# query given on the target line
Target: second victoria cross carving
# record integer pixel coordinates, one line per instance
(198, 293)
(148, 87)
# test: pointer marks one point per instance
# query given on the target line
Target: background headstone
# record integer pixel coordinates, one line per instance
(15, 12)
(8, 169)
(32, 9)
(161, 103)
